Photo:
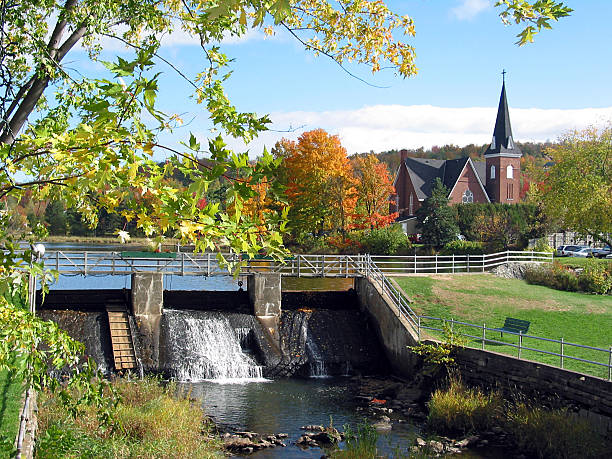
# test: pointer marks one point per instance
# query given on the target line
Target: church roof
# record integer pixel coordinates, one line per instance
(502, 142)
(423, 173)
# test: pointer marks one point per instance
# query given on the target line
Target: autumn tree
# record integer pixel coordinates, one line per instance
(576, 189)
(374, 189)
(319, 180)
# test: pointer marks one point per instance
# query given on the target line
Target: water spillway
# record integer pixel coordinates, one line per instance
(209, 345)
(202, 335)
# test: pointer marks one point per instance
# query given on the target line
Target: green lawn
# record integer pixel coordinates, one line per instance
(484, 299)
(10, 405)
(577, 262)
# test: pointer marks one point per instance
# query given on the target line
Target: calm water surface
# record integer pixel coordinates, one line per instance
(287, 404)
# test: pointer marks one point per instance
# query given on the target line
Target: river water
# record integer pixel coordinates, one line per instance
(285, 405)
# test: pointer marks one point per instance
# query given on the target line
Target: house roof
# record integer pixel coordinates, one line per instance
(423, 173)
(502, 142)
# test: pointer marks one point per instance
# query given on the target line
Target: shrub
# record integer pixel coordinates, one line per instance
(459, 247)
(557, 434)
(595, 277)
(459, 409)
(556, 276)
(385, 241)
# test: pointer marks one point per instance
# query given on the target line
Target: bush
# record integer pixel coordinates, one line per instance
(459, 409)
(385, 241)
(459, 247)
(596, 277)
(556, 276)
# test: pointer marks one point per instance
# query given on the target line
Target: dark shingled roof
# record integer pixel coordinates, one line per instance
(423, 173)
(502, 134)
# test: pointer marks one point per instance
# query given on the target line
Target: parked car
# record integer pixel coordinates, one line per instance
(602, 252)
(567, 250)
(584, 252)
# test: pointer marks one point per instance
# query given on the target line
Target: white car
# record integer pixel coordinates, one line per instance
(584, 252)
(568, 250)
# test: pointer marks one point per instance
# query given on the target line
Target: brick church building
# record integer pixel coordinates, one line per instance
(496, 179)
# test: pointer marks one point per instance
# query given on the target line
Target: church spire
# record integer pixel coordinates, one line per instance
(502, 141)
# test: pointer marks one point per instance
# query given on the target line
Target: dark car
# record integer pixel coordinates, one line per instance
(602, 252)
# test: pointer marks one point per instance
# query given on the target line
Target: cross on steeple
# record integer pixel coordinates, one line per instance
(504, 75)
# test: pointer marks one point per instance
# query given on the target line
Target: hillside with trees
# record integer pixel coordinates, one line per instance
(532, 152)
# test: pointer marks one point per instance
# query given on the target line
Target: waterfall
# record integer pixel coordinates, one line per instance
(210, 349)
(315, 360)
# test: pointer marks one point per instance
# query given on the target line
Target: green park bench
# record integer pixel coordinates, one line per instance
(514, 326)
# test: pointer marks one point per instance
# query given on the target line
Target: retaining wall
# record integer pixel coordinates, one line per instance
(591, 395)
(392, 330)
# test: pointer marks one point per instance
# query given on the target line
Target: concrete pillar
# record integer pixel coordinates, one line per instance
(265, 293)
(147, 306)
(265, 297)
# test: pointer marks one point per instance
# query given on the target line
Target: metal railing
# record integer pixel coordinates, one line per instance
(563, 356)
(206, 264)
(453, 264)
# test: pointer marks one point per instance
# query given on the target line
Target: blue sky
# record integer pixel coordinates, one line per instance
(558, 83)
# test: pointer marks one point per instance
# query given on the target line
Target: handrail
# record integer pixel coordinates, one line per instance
(520, 347)
(114, 263)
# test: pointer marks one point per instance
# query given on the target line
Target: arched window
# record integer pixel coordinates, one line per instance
(509, 172)
(410, 206)
(493, 146)
(492, 172)
(467, 197)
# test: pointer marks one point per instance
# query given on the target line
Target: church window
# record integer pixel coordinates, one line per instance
(493, 144)
(492, 172)
(510, 143)
(467, 197)
(509, 172)
(410, 206)
(510, 192)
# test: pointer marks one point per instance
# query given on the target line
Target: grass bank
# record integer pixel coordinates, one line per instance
(11, 391)
(151, 422)
(485, 299)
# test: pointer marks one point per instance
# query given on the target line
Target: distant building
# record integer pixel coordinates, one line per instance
(496, 179)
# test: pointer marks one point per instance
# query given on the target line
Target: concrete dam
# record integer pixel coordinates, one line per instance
(220, 335)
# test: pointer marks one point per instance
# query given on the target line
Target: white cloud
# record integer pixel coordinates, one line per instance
(178, 37)
(467, 9)
(386, 127)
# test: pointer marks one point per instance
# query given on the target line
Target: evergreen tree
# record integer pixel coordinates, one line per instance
(436, 219)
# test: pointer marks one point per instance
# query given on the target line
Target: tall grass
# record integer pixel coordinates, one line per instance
(554, 434)
(536, 431)
(458, 409)
(150, 422)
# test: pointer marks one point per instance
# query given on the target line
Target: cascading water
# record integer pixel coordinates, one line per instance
(315, 359)
(210, 349)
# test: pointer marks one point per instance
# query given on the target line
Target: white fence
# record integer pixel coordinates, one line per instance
(207, 264)
(452, 264)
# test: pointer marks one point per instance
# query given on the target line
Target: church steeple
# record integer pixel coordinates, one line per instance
(502, 141)
(503, 157)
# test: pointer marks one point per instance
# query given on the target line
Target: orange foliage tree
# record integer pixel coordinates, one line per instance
(374, 189)
(319, 180)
